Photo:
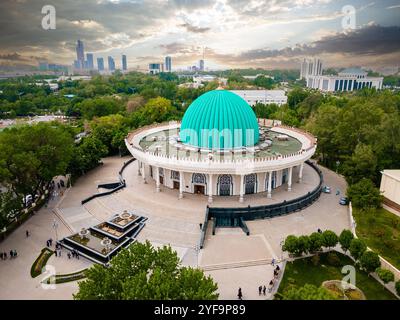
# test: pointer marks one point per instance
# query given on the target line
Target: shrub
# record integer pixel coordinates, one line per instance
(291, 244)
(333, 259)
(357, 248)
(315, 241)
(329, 239)
(397, 286)
(385, 275)
(315, 260)
(40, 262)
(307, 292)
(364, 195)
(370, 261)
(345, 239)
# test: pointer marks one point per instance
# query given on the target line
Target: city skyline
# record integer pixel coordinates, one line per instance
(233, 33)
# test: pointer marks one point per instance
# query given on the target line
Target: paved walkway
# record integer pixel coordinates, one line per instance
(230, 257)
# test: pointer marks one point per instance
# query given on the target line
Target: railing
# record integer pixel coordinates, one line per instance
(204, 230)
(269, 211)
(113, 186)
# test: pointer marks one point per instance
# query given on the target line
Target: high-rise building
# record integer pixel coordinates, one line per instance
(80, 55)
(100, 64)
(155, 68)
(124, 63)
(310, 68)
(201, 65)
(168, 64)
(89, 61)
(111, 63)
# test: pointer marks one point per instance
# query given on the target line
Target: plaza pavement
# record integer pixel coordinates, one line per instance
(233, 259)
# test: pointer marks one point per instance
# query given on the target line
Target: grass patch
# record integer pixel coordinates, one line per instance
(380, 230)
(303, 271)
(40, 262)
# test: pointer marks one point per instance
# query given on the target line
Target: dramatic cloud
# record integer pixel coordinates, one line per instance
(260, 33)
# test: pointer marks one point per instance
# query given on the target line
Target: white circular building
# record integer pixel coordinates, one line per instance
(221, 149)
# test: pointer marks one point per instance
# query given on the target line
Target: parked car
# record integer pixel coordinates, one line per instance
(344, 201)
(326, 189)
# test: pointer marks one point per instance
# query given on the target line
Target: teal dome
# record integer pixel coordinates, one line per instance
(219, 119)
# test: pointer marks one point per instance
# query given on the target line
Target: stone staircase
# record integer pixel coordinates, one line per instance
(241, 264)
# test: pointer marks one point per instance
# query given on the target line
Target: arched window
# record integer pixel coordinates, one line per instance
(225, 185)
(175, 175)
(199, 178)
(250, 181)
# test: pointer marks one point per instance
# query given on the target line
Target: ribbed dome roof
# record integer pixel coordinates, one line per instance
(219, 119)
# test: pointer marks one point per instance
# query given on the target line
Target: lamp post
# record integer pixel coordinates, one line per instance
(55, 226)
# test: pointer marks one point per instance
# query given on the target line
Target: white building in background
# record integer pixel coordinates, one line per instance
(253, 97)
(347, 80)
(390, 188)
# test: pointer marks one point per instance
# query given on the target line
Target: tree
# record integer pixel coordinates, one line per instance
(316, 241)
(303, 244)
(364, 195)
(144, 272)
(385, 275)
(329, 239)
(345, 238)
(263, 81)
(296, 96)
(10, 205)
(307, 292)
(370, 261)
(362, 164)
(30, 156)
(291, 244)
(357, 248)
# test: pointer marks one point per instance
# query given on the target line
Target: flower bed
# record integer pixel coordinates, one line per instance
(40, 262)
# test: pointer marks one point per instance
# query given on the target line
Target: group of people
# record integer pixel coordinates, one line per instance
(73, 254)
(13, 254)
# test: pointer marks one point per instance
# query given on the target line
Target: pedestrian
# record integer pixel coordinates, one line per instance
(55, 252)
(51, 241)
(1, 256)
(58, 185)
(273, 262)
(69, 255)
(77, 255)
(15, 253)
(270, 286)
(319, 230)
(264, 289)
(277, 268)
(59, 252)
(11, 254)
(5, 255)
(259, 290)
(240, 295)
(27, 233)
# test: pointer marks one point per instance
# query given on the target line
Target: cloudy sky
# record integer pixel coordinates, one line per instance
(234, 33)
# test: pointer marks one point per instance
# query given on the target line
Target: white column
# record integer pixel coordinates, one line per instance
(301, 172)
(210, 188)
(144, 172)
(269, 184)
(181, 184)
(157, 179)
(241, 193)
(289, 184)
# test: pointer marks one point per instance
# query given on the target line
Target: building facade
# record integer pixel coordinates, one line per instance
(221, 149)
(390, 188)
(111, 63)
(252, 97)
(168, 64)
(80, 55)
(100, 64)
(124, 63)
(155, 68)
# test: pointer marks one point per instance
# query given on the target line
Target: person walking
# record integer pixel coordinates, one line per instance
(27, 233)
(240, 295)
(264, 289)
(271, 285)
(69, 255)
(259, 290)
(15, 253)
(273, 262)
(11, 254)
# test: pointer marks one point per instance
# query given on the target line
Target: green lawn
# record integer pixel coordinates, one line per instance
(380, 230)
(303, 271)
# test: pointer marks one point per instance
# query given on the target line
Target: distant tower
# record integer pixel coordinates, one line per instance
(201, 65)
(100, 64)
(80, 55)
(168, 64)
(89, 61)
(111, 63)
(124, 63)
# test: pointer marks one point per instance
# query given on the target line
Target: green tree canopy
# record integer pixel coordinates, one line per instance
(329, 239)
(370, 261)
(385, 275)
(364, 195)
(357, 248)
(345, 238)
(144, 272)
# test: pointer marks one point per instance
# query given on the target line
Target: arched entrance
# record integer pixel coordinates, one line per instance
(199, 183)
(175, 177)
(225, 185)
(250, 181)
